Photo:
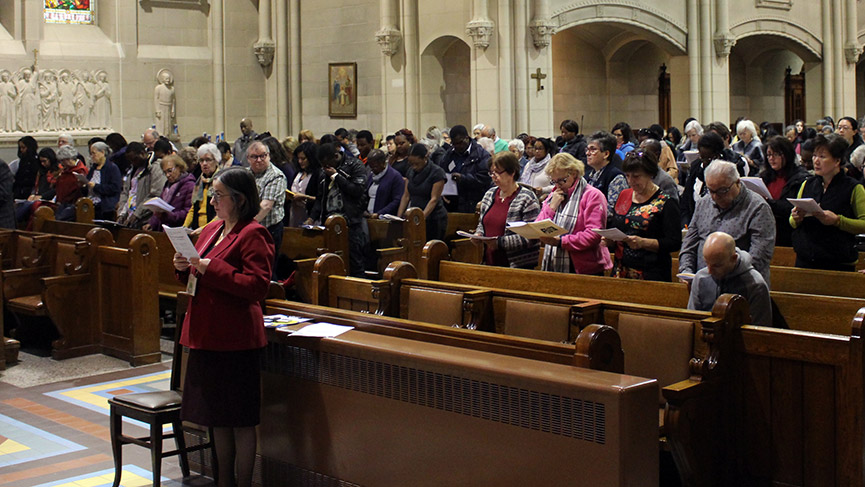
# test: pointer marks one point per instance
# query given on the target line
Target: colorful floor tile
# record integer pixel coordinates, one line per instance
(95, 396)
(20, 442)
(132, 477)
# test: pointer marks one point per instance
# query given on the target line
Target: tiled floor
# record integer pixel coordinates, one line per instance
(58, 434)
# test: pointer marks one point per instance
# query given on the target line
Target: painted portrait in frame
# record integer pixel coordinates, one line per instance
(342, 90)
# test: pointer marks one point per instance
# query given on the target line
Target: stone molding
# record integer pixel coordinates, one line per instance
(481, 32)
(724, 44)
(264, 51)
(542, 32)
(388, 39)
(851, 53)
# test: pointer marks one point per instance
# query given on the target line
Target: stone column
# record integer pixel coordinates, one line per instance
(264, 47)
(724, 42)
(838, 62)
(389, 36)
(216, 26)
(852, 50)
(505, 123)
(542, 26)
(283, 108)
(412, 65)
(828, 59)
(694, 59)
(294, 31)
(707, 114)
(521, 67)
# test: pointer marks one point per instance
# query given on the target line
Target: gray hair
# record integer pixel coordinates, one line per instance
(723, 169)
(433, 133)
(258, 143)
(517, 144)
(101, 147)
(488, 144)
(67, 152)
(694, 125)
(68, 138)
(210, 148)
(858, 156)
(747, 126)
(479, 126)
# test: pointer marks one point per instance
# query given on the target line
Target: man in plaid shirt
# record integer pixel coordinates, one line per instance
(271, 184)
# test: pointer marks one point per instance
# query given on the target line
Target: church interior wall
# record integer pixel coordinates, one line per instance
(579, 83)
(245, 93)
(633, 83)
(445, 83)
(338, 31)
(679, 70)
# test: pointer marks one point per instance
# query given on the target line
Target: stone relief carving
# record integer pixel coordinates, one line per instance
(388, 39)
(481, 32)
(724, 44)
(264, 51)
(165, 102)
(542, 32)
(49, 100)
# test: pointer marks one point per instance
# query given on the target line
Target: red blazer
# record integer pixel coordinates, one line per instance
(225, 313)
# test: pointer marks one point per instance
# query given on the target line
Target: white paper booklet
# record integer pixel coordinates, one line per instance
(158, 204)
(180, 240)
(808, 205)
(322, 330)
(610, 233)
(392, 218)
(758, 186)
(476, 237)
(531, 230)
(691, 156)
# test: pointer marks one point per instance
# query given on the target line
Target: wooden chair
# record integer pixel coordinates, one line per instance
(156, 409)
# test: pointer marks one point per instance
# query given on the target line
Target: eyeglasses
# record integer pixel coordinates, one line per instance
(618, 135)
(560, 180)
(169, 171)
(721, 191)
(256, 157)
(494, 173)
(592, 150)
(216, 197)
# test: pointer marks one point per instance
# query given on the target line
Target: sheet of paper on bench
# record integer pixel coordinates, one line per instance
(613, 234)
(392, 218)
(322, 330)
(530, 230)
(476, 237)
(686, 276)
(159, 204)
(181, 242)
(758, 186)
(808, 205)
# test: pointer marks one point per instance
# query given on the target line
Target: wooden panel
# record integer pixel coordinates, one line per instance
(787, 420)
(818, 397)
(115, 318)
(756, 432)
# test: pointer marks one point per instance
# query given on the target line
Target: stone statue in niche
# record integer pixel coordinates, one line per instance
(49, 102)
(165, 102)
(8, 93)
(66, 108)
(28, 101)
(101, 102)
(84, 101)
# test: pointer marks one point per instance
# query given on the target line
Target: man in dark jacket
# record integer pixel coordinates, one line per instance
(342, 191)
(467, 164)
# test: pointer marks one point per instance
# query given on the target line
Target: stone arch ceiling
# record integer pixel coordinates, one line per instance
(777, 33)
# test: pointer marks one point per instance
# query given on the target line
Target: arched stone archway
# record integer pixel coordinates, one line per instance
(445, 96)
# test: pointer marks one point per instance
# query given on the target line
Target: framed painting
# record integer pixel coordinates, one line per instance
(342, 90)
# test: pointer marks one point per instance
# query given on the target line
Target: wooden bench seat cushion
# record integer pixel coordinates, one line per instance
(541, 321)
(27, 304)
(435, 306)
(657, 348)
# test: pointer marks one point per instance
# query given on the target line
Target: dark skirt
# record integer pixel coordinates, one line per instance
(222, 389)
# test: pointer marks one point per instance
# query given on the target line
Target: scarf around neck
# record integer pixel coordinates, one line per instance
(556, 259)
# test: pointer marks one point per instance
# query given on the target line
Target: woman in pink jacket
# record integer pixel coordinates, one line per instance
(578, 208)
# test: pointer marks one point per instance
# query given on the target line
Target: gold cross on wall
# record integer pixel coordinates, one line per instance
(538, 76)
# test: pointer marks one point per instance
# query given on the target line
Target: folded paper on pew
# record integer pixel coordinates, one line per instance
(180, 240)
(274, 321)
(158, 204)
(476, 237)
(392, 218)
(808, 205)
(758, 186)
(613, 234)
(686, 276)
(312, 227)
(322, 330)
(531, 230)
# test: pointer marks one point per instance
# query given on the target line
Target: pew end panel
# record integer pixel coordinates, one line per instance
(463, 250)
(325, 265)
(84, 210)
(394, 275)
(460, 307)
(434, 252)
(361, 295)
(599, 347)
(336, 237)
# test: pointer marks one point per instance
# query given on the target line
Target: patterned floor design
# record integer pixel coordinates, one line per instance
(58, 434)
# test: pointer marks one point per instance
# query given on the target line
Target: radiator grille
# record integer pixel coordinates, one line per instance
(539, 411)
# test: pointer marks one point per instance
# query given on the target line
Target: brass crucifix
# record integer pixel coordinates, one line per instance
(538, 76)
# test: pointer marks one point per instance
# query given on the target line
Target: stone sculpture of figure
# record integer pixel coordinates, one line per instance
(8, 93)
(66, 107)
(102, 102)
(84, 101)
(48, 94)
(164, 102)
(28, 101)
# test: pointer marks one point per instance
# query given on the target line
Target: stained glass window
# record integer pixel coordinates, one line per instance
(69, 11)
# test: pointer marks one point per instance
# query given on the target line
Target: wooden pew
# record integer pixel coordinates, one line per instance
(435, 414)
(786, 257)
(398, 241)
(304, 246)
(462, 249)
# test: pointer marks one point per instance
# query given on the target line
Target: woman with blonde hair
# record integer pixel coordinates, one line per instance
(578, 208)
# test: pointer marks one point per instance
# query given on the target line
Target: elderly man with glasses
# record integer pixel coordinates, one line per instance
(271, 185)
(733, 209)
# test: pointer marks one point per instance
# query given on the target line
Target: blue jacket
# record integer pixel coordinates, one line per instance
(475, 170)
(109, 188)
(389, 193)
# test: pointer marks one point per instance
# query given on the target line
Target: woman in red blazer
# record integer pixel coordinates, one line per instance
(224, 329)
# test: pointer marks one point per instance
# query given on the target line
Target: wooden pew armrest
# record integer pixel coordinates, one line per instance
(475, 309)
(23, 282)
(75, 280)
(682, 391)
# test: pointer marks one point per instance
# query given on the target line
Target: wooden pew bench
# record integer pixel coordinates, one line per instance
(394, 241)
(786, 257)
(461, 248)
(303, 246)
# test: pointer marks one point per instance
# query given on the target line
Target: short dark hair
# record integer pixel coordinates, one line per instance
(116, 141)
(834, 143)
(639, 160)
(627, 133)
(327, 152)
(711, 141)
(94, 140)
(459, 131)
(329, 139)
(375, 155)
(570, 126)
(779, 145)
(341, 132)
(652, 145)
(223, 146)
(136, 147)
(656, 131)
(365, 135)
(720, 129)
(418, 150)
(607, 141)
(241, 184)
(163, 146)
(548, 144)
(507, 161)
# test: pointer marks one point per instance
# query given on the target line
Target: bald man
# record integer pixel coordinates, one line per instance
(242, 143)
(729, 270)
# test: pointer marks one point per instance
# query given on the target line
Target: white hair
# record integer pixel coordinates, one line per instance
(68, 138)
(488, 144)
(517, 144)
(479, 126)
(724, 169)
(434, 134)
(858, 157)
(67, 152)
(209, 148)
(694, 125)
(748, 126)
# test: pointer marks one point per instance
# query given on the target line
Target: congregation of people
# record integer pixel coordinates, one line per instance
(666, 191)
